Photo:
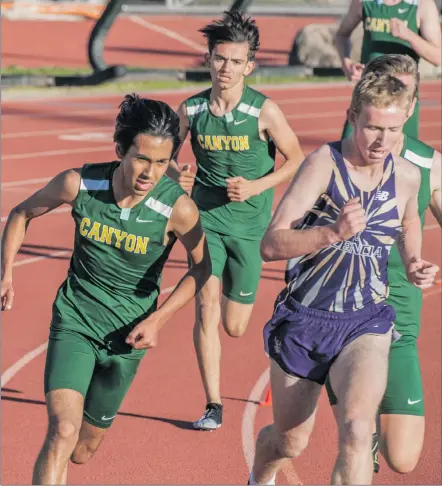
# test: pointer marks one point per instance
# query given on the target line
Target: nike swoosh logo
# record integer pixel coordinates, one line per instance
(107, 418)
(243, 294)
(402, 10)
(414, 401)
(138, 220)
(239, 122)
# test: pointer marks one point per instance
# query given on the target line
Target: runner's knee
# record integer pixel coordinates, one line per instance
(235, 326)
(403, 465)
(292, 446)
(83, 451)
(400, 459)
(63, 430)
(235, 316)
(356, 432)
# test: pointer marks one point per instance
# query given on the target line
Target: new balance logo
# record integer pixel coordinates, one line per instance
(382, 196)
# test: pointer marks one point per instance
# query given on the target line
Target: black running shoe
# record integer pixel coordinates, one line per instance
(212, 418)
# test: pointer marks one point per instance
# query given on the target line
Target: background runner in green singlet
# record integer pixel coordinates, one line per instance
(235, 132)
(127, 216)
(391, 26)
(402, 408)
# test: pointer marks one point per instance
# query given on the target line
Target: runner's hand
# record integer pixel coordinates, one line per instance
(239, 189)
(145, 334)
(186, 179)
(421, 273)
(351, 220)
(7, 295)
(399, 29)
(353, 70)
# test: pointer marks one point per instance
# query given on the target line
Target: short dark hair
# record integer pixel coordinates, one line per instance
(142, 115)
(234, 27)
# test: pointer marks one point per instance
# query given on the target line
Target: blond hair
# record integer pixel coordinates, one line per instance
(394, 64)
(381, 91)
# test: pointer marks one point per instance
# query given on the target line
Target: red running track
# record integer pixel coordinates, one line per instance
(151, 441)
(154, 42)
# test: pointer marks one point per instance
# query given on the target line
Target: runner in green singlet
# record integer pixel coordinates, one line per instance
(235, 132)
(391, 27)
(402, 423)
(127, 216)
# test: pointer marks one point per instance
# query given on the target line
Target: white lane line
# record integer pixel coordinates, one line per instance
(248, 418)
(168, 33)
(24, 189)
(64, 115)
(96, 137)
(26, 182)
(52, 153)
(340, 115)
(64, 209)
(27, 261)
(40, 133)
(328, 99)
(12, 371)
(21, 363)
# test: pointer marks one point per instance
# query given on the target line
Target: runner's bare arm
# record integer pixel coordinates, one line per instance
(281, 241)
(273, 122)
(184, 130)
(436, 189)
(343, 34)
(410, 238)
(186, 225)
(427, 43)
(420, 273)
(62, 189)
(184, 177)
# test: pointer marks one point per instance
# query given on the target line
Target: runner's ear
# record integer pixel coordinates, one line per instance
(351, 116)
(118, 151)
